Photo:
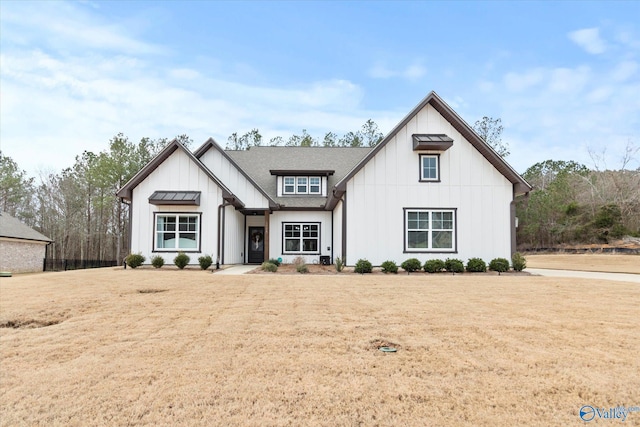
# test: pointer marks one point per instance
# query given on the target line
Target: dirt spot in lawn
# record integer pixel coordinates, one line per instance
(29, 323)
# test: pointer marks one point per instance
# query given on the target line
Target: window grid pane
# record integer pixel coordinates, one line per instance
(301, 237)
(427, 230)
(430, 167)
(301, 187)
(177, 232)
(289, 184)
(314, 185)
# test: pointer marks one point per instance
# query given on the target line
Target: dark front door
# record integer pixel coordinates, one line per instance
(256, 245)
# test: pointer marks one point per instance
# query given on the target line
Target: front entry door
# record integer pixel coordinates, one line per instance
(256, 245)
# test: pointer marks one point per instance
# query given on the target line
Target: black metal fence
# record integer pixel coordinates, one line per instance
(75, 264)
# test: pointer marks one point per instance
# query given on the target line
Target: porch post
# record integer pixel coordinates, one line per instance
(266, 235)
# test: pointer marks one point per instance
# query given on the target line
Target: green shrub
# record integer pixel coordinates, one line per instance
(434, 266)
(275, 262)
(453, 265)
(339, 264)
(157, 261)
(411, 265)
(205, 262)
(363, 266)
(389, 267)
(476, 265)
(181, 260)
(135, 260)
(302, 268)
(269, 266)
(518, 261)
(499, 264)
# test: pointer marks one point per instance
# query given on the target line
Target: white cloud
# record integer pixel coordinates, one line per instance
(81, 104)
(568, 111)
(66, 26)
(411, 72)
(589, 39)
(518, 82)
(624, 70)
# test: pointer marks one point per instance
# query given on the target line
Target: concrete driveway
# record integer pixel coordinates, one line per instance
(621, 277)
(233, 270)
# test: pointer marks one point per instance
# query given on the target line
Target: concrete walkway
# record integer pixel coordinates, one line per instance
(236, 269)
(621, 277)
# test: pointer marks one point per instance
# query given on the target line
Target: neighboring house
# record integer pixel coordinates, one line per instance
(22, 249)
(432, 188)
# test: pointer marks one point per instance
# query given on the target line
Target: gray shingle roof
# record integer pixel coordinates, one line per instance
(257, 162)
(13, 228)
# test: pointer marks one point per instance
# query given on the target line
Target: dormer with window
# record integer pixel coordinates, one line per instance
(309, 183)
(430, 147)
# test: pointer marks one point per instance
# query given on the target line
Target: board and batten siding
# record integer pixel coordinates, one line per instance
(277, 218)
(234, 180)
(177, 173)
(234, 246)
(337, 231)
(390, 181)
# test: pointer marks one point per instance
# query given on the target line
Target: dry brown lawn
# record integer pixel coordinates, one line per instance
(608, 263)
(147, 347)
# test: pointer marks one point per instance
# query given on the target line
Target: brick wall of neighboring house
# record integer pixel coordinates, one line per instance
(21, 256)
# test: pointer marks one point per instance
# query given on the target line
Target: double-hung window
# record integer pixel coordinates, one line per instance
(177, 232)
(301, 237)
(302, 185)
(429, 167)
(289, 185)
(430, 230)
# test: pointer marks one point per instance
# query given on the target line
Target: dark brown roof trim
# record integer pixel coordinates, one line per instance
(211, 143)
(126, 191)
(294, 172)
(520, 186)
(306, 208)
(435, 142)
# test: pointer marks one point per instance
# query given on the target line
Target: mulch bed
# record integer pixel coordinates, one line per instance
(317, 269)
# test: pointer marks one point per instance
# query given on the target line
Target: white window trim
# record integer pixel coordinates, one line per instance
(177, 216)
(300, 239)
(429, 156)
(430, 230)
(307, 186)
(284, 185)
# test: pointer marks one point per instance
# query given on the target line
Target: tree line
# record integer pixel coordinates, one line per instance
(573, 204)
(79, 210)
(368, 135)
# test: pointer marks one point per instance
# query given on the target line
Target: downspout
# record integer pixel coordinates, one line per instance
(344, 228)
(44, 263)
(221, 227)
(130, 227)
(332, 237)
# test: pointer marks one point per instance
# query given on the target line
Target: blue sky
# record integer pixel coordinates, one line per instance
(564, 77)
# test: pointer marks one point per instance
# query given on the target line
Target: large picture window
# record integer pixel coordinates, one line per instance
(302, 185)
(301, 237)
(177, 232)
(430, 230)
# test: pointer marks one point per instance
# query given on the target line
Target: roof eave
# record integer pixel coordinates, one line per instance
(460, 125)
(211, 143)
